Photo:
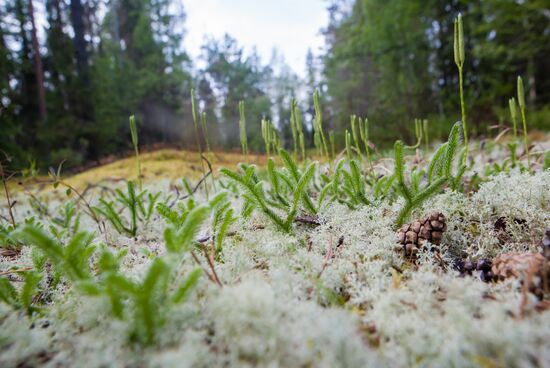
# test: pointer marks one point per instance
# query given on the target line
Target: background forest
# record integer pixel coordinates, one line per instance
(72, 71)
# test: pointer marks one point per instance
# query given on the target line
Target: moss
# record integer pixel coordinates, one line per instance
(286, 302)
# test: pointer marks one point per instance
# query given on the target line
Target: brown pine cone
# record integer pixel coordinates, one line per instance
(413, 236)
(531, 267)
(514, 264)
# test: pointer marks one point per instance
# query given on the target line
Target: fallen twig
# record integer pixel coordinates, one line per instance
(204, 239)
(308, 219)
(4, 273)
(7, 194)
(309, 243)
(211, 265)
(198, 262)
(328, 256)
(196, 187)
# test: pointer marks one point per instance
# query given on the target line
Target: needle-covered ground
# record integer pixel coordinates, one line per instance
(330, 293)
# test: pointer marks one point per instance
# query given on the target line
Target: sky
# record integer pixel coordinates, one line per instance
(292, 26)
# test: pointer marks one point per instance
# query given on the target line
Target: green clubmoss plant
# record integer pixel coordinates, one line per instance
(440, 172)
(242, 130)
(255, 196)
(143, 304)
(271, 137)
(57, 181)
(349, 150)
(195, 116)
(319, 136)
(354, 185)
(425, 134)
(521, 103)
(296, 117)
(137, 206)
(22, 298)
(208, 149)
(417, 134)
(135, 143)
(332, 145)
(354, 134)
(514, 116)
(67, 221)
(364, 134)
(459, 57)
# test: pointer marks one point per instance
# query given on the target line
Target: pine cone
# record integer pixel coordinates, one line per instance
(533, 268)
(413, 236)
(464, 266)
(514, 264)
(467, 267)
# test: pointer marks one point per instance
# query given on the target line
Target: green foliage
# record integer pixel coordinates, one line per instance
(67, 222)
(222, 218)
(425, 134)
(521, 103)
(89, 92)
(205, 134)
(71, 260)
(242, 129)
(546, 162)
(332, 143)
(255, 197)
(24, 298)
(395, 70)
(271, 137)
(178, 239)
(8, 294)
(459, 57)
(185, 220)
(318, 135)
(194, 113)
(293, 176)
(138, 208)
(440, 172)
(297, 129)
(352, 191)
(349, 150)
(353, 120)
(143, 304)
(135, 144)
(6, 239)
(175, 217)
(418, 132)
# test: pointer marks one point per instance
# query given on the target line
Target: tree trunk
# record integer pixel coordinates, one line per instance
(81, 54)
(38, 70)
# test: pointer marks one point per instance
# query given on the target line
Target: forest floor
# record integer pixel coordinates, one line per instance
(336, 291)
(166, 164)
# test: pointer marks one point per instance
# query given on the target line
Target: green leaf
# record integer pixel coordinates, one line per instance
(34, 236)
(399, 169)
(228, 218)
(187, 286)
(437, 162)
(185, 235)
(452, 147)
(88, 287)
(301, 186)
(8, 294)
(32, 279)
(290, 164)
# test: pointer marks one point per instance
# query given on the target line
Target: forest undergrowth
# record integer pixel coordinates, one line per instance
(437, 255)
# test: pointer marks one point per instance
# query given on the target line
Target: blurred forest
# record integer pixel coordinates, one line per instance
(72, 71)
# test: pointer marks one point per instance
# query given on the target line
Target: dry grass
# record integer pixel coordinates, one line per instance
(166, 164)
